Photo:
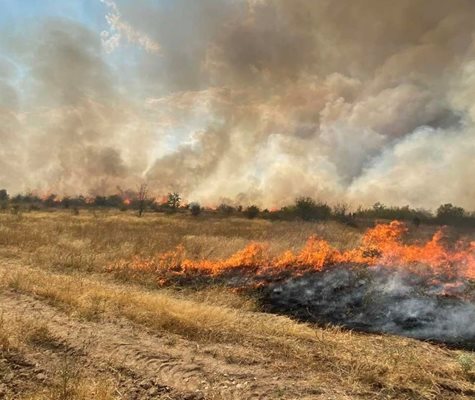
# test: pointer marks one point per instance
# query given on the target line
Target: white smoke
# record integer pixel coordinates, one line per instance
(260, 101)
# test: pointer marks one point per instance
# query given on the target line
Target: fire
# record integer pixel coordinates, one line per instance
(126, 201)
(161, 199)
(382, 246)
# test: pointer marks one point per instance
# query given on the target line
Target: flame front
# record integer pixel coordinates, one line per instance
(380, 246)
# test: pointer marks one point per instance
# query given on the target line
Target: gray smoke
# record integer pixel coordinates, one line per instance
(256, 100)
(381, 300)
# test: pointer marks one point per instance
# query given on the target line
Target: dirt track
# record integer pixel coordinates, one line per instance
(146, 365)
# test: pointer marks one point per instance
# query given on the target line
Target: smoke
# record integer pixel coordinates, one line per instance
(259, 101)
(381, 300)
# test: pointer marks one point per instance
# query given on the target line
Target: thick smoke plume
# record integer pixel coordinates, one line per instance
(258, 100)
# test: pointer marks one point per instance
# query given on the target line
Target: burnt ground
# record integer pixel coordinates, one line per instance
(379, 300)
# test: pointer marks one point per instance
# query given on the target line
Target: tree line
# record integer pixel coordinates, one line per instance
(304, 208)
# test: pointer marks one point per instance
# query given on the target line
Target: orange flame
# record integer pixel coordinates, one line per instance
(382, 245)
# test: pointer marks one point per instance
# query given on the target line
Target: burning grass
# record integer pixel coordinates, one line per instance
(422, 290)
(382, 245)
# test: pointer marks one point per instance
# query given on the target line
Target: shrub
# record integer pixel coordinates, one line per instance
(449, 212)
(225, 209)
(380, 211)
(173, 201)
(251, 212)
(195, 209)
(308, 209)
(452, 215)
(3, 195)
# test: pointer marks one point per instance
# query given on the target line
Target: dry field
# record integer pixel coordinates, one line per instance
(70, 329)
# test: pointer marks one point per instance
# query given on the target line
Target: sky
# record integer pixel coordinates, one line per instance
(241, 101)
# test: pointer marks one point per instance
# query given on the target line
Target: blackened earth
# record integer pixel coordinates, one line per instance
(380, 300)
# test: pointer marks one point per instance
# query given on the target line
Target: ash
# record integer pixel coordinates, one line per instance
(381, 300)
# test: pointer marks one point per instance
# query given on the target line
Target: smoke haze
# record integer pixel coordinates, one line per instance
(254, 101)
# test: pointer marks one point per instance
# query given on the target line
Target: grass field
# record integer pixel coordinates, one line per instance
(69, 329)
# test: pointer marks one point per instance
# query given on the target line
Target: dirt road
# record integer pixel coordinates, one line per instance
(146, 365)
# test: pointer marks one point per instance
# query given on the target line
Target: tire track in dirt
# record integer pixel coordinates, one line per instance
(120, 344)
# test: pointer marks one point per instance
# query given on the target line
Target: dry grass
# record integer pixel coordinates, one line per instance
(68, 387)
(60, 258)
(69, 381)
(386, 364)
(63, 240)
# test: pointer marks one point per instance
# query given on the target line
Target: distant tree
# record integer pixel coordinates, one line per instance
(66, 202)
(449, 211)
(100, 201)
(3, 199)
(195, 209)
(50, 201)
(79, 201)
(380, 211)
(308, 209)
(115, 200)
(174, 201)
(18, 198)
(225, 209)
(251, 212)
(4, 195)
(142, 198)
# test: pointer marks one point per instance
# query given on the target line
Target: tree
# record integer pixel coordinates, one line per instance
(251, 212)
(142, 198)
(66, 202)
(448, 213)
(100, 201)
(3, 195)
(308, 209)
(173, 201)
(115, 200)
(225, 209)
(51, 201)
(195, 209)
(3, 199)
